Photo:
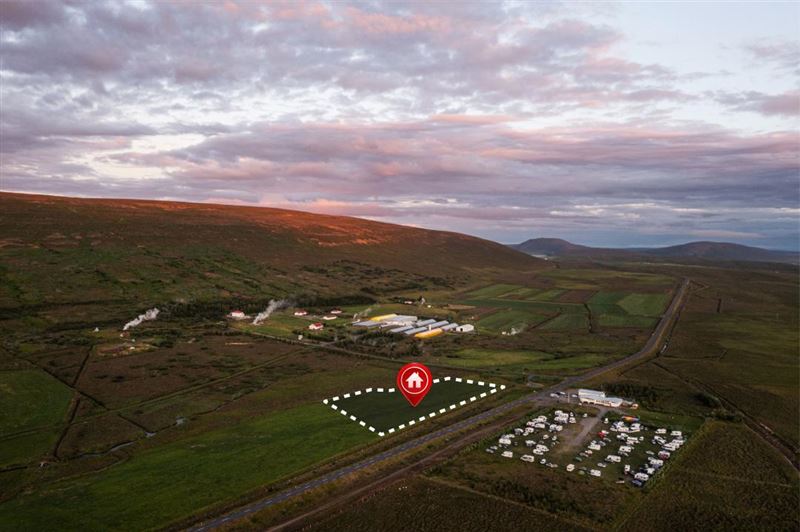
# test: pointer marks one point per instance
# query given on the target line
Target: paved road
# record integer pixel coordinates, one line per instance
(654, 343)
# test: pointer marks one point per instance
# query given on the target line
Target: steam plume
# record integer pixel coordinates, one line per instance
(147, 316)
(363, 314)
(271, 307)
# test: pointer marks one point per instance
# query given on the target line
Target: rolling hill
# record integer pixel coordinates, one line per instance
(69, 249)
(712, 251)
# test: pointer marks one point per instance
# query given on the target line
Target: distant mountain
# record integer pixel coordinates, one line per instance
(551, 247)
(556, 247)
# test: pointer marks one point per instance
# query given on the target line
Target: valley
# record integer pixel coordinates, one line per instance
(189, 418)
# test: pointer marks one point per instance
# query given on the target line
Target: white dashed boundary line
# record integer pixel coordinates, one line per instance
(332, 403)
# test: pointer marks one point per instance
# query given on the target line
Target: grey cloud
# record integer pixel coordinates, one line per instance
(786, 104)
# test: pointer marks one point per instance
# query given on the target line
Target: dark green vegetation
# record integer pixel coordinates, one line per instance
(389, 410)
(428, 504)
(192, 412)
(560, 322)
(733, 350)
(176, 479)
(30, 399)
(187, 411)
(64, 250)
(726, 479)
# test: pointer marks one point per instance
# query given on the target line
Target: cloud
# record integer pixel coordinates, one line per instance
(786, 104)
(500, 119)
(780, 54)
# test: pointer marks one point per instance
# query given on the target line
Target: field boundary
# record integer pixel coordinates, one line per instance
(331, 402)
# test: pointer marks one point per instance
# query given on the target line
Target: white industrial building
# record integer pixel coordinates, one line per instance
(597, 397)
(411, 325)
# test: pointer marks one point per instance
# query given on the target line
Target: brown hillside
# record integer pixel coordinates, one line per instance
(130, 242)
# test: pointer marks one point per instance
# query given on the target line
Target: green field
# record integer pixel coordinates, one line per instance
(178, 479)
(619, 320)
(644, 304)
(547, 295)
(30, 399)
(475, 358)
(389, 410)
(281, 324)
(622, 309)
(495, 290)
(505, 320)
(567, 321)
(523, 361)
(27, 448)
(592, 278)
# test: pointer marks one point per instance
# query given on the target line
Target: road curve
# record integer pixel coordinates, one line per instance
(653, 344)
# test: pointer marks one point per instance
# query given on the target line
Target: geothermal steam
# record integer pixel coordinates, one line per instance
(271, 307)
(147, 316)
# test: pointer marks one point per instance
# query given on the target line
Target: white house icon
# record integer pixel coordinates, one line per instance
(414, 381)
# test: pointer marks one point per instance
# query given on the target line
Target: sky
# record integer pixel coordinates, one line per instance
(609, 124)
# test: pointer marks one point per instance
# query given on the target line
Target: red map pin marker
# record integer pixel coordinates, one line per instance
(414, 381)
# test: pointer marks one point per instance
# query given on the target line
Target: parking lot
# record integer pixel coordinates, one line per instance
(591, 441)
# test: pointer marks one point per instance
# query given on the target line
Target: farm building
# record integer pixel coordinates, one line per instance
(316, 326)
(429, 334)
(328, 318)
(400, 320)
(596, 397)
(237, 315)
(301, 313)
(383, 317)
(467, 327)
(414, 330)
